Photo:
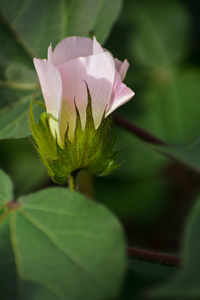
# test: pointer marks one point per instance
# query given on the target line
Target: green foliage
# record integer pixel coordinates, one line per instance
(63, 245)
(14, 120)
(185, 283)
(161, 32)
(167, 105)
(26, 30)
(187, 154)
(27, 172)
(171, 108)
(155, 39)
(59, 245)
(6, 193)
(91, 149)
(58, 19)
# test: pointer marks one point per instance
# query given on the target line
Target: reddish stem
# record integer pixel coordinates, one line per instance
(137, 131)
(155, 257)
(12, 205)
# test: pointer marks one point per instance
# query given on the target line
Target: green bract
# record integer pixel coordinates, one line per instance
(91, 150)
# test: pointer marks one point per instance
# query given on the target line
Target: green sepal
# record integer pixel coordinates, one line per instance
(92, 149)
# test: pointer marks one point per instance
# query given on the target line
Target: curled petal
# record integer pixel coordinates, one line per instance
(70, 48)
(97, 47)
(51, 85)
(122, 67)
(98, 72)
(120, 95)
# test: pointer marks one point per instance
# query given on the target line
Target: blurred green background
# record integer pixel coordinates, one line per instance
(151, 194)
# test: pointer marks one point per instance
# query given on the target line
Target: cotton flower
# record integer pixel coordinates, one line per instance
(78, 63)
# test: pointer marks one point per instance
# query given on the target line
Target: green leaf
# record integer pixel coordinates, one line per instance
(36, 25)
(139, 179)
(170, 109)
(27, 29)
(139, 161)
(13, 54)
(6, 188)
(187, 155)
(7, 267)
(64, 246)
(21, 74)
(161, 35)
(8, 273)
(185, 283)
(23, 166)
(107, 15)
(14, 119)
(171, 112)
(11, 49)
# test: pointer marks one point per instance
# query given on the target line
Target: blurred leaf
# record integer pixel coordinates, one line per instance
(11, 49)
(26, 30)
(33, 291)
(139, 178)
(8, 266)
(161, 31)
(185, 283)
(19, 73)
(36, 23)
(14, 119)
(8, 272)
(171, 109)
(142, 276)
(107, 15)
(6, 192)
(68, 245)
(139, 161)
(23, 165)
(12, 53)
(187, 155)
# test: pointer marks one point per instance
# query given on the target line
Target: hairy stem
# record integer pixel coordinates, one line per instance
(137, 131)
(155, 257)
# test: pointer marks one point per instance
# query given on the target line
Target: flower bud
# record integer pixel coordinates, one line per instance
(81, 85)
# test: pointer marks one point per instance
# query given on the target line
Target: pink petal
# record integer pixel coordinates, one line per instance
(70, 48)
(51, 85)
(98, 72)
(74, 90)
(120, 95)
(122, 67)
(96, 46)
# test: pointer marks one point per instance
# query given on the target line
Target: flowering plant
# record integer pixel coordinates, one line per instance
(65, 242)
(82, 85)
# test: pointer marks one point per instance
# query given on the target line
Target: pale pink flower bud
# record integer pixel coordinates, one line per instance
(75, 62)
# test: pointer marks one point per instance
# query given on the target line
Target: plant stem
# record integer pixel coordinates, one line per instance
(139, 132)
(19, 85)
(72, 181)
(155, 257)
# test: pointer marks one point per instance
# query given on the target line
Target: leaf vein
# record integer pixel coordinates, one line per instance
(56, 244)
